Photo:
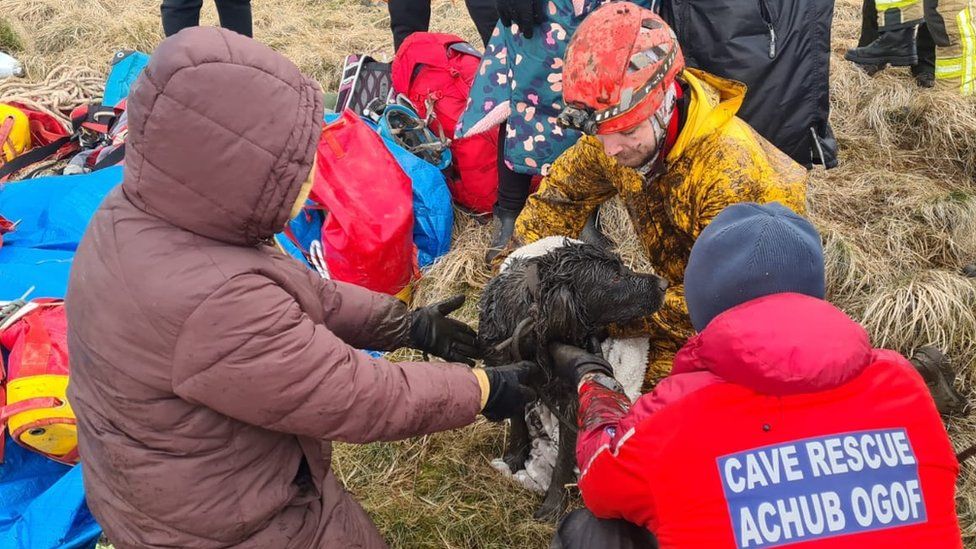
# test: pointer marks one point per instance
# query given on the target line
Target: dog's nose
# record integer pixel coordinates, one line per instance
(662, 283)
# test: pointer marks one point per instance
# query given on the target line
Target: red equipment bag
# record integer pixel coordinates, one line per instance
(367, 237)
(97, 131)
(435, 72)
(49, 138)
(33, 404)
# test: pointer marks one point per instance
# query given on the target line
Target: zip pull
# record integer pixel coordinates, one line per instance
(772, 40)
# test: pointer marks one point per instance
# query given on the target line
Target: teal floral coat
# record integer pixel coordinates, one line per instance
(520, 81)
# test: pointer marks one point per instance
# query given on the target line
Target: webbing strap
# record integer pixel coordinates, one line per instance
(290, 234)
(37, 403)
(5, 141)
(33, 156)
(114, 156)
(330, 139)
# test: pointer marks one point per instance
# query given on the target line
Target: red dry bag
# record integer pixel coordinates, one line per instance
(367, 238)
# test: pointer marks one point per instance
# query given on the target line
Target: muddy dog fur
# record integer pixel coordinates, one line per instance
(570, 294)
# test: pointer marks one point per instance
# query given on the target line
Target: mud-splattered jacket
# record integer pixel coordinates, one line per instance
(716, 160)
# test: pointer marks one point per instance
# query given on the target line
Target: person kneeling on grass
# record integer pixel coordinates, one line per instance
(209, 371)
(778, 424)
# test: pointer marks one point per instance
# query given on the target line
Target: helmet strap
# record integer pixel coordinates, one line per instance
(660, 121)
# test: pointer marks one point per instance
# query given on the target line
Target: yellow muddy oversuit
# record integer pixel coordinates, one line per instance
(716, 160)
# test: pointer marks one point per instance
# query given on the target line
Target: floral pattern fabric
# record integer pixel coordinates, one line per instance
(520, 80)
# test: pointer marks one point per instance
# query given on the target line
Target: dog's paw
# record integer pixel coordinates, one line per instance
(516, 461)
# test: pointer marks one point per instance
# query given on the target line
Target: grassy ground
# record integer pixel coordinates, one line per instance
(898, 217)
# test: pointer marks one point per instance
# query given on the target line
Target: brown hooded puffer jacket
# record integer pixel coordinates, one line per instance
(209, 371)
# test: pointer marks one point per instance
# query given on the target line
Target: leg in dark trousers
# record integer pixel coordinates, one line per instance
(869, 23)
(513, 192)
(180, 14)
(581, 530)
(235, 15)
(408, 17)
(926, 52)
(485, 15)
(513, 187)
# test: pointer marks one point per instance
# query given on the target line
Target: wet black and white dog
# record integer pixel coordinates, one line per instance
(558, 290)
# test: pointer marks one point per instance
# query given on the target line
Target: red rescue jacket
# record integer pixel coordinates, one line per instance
(779, 425)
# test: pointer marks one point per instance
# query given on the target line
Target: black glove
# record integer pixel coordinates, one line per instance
(572, 363)
(524, 13)
(507, 392)
(433, 332)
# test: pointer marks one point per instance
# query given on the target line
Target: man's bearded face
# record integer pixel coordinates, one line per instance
(633, 147)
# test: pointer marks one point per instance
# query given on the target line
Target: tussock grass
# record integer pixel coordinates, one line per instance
(897, 220)
(10, 38)
(929, 308)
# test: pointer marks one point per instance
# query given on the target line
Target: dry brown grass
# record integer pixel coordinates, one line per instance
(898, 219)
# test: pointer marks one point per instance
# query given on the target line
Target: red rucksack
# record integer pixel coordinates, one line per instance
(435, 71)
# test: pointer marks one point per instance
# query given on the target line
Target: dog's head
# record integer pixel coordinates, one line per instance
(579, 288)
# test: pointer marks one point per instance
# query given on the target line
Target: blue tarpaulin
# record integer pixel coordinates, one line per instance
(433, 216)
(54, 211)
(305, 228)
(42, 503)
(44, 270)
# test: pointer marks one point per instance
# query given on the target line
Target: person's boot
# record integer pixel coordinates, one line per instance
(894, 47)
(925, 79)
(502, 229)
(591, 233)
(938, 375)
(969, 270)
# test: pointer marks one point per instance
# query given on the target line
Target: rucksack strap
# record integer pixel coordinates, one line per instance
(10, 410)
(5, 129)
(34, 156)
(114, 156)
(290, 235)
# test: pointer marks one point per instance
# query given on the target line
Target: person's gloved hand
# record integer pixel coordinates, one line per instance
(524, 13)
(572, 363)
(433, 332)
(507, 393)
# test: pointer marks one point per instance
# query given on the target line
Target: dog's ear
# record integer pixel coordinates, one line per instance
(532, 281)
(559, 315)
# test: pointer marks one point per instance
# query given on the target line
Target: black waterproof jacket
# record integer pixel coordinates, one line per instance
(781, 50)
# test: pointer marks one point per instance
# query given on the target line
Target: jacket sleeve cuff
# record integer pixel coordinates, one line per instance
(483, 383)
(600, 406)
